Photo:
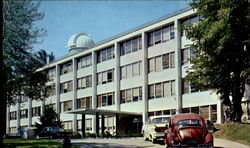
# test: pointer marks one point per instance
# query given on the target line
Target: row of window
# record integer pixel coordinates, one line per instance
(131, 45)
(131, 95)
(84, 102)
(105, 99)
(66, 68)
(164, 89)
(66, 87)
(105, 77)
(50, 90)
(131, 70)
(66, 106)
(84, 82)
(88, 125)
(161, 35)
(84, 62)
(24, 113)
(13, 115)
(36, 111)
(162, 62)
(105, 54)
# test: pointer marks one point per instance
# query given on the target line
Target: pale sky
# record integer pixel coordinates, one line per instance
(100, 19)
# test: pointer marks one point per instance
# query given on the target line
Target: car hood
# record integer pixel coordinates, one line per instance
(191, 136)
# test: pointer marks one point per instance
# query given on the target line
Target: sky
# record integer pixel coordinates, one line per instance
(99, 19)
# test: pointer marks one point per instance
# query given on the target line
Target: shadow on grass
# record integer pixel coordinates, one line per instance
(12, 143)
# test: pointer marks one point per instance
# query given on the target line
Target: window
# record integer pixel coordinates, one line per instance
(66, 106)
(130, 46)
(88, 124)
(105, 77)
(123, 72)
(84, 62)
(151, 91)
(50, 90)
(13, 115)
(190, 20)
(167, 89)
(151, 65)
(185, 87)
(51, 73)
(130, 70)
(165, 61)
(66, 87)
(172, 32)
(36, 111)
(172, 87)
(84, 82)
(161, 35)
(105, 54)
(84, 102)
(131, 95)
(66, 68)
(67, 125)
(165, 34)
(184, 56)
(105, 99)
(162, 62)
(24, 113)
(158, 64)
(158, 90)
(172, 60)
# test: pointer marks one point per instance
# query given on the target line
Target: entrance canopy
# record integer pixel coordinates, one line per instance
(91, 111)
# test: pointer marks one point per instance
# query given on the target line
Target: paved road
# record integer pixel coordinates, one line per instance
(140, 143)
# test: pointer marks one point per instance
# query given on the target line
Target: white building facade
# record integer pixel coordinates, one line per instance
(140, 72)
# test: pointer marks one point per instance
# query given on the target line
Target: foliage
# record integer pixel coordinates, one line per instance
(88, 134)
(76, 135)
(234, 132)
(49, 118)
(221, 43)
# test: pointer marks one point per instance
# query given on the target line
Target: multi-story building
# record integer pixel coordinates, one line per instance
(124, 79)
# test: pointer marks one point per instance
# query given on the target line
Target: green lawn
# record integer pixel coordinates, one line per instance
(234, 132)
(28, 143)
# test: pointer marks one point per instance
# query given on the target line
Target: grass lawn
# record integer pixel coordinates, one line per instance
(32, 143)
(234, 132)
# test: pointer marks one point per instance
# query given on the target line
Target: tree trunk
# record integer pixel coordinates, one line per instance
(3, 117)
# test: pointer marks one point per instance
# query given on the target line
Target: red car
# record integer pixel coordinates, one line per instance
(185, 130)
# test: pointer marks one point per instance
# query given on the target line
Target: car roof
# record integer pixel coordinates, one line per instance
(178, 117)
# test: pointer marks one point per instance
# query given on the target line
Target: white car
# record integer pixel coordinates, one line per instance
(154, 129)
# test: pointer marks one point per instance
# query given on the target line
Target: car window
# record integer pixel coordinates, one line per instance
(160, 120)
(189, 122)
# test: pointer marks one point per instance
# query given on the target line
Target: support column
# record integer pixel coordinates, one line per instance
(220, 115)
(75, 94)
(29, 112)
(117, 124)
(97, 124)
(8, 120)
(102, 124)
(18, 113)
(94, 92)
(145, 78)
(83, 125)
(117, 76)
(58, 89)
(178, 95)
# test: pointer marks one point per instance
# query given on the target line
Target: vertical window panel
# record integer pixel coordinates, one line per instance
(167, 89)
(158, 64)
(165, 61)
(158, 90)
(151, 65)
(172, 58)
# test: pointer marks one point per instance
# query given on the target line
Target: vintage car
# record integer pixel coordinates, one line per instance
(154, 129)
(53, 132)
(186, 130)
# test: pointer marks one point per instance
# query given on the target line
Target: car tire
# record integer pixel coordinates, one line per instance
(154, 140)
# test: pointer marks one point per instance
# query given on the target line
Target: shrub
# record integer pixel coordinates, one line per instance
(76, 135)
(92, 135)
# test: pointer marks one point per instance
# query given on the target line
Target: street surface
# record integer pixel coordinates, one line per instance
(140, 143)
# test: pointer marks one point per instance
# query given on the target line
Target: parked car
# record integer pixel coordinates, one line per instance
(154, 129)
(188, 130)
(50, 132)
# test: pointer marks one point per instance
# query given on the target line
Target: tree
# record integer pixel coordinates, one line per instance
(221, 43)
(19, 59)
(49, 118)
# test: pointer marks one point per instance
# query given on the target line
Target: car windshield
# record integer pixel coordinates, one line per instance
(160, 120)
(189, 122)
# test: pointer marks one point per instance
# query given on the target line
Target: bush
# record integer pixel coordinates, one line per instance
(76, 135)
(92, 135)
